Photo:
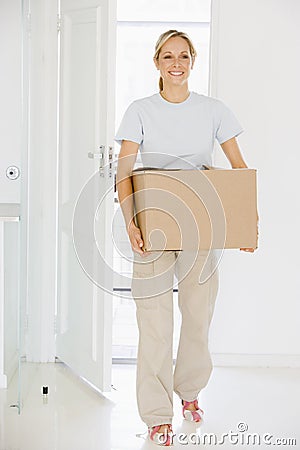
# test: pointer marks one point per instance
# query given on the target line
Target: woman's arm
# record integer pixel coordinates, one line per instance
(126, 160)
(233, 154)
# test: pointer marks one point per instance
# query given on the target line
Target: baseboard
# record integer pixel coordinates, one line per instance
(255, 360)
(240, 360)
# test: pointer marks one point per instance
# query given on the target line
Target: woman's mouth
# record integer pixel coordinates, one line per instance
(175, 73)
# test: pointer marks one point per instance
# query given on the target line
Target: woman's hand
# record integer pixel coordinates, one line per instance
(234, 155)
(135, 237)
(251, 250)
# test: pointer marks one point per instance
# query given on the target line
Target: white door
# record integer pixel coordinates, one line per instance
(85, 191)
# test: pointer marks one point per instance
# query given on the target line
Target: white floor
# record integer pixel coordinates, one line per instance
(265, 401)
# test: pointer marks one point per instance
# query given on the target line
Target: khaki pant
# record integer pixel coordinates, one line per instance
(152, 290)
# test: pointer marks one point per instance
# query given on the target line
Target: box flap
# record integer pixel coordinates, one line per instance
(143, 169)
(207, 167)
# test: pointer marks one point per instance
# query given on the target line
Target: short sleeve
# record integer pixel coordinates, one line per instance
(131, 128)
(227, 124)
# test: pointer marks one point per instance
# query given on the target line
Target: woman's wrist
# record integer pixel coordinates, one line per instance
(131, 225)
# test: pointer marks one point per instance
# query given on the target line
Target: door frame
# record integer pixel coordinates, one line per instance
(39, 183)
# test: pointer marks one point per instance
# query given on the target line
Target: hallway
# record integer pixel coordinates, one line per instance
(77, 418)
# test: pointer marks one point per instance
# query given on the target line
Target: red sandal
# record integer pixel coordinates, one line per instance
(192, 416)
(161, 438)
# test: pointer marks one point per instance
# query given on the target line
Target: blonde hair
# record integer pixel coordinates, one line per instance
(163, 38)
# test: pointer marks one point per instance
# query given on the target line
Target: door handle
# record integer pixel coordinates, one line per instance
(100, 155)
(97, 155)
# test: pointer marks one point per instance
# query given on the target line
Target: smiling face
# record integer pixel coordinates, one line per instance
(175, 61)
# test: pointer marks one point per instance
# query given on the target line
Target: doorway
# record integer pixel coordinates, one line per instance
(139, 24)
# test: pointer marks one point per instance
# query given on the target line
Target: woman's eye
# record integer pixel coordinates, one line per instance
(182, 57)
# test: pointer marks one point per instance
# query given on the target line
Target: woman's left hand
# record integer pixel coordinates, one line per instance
(251, 250)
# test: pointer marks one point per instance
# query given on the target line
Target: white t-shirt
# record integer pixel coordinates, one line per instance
(177, 135)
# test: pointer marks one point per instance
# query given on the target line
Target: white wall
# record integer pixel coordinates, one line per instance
(10, 94)
(256, 70)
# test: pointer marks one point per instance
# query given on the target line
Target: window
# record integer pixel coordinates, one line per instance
(139, 25)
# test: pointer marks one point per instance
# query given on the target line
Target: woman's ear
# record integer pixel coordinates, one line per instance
(156, 63)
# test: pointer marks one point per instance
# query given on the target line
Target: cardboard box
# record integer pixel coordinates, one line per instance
(196, 209)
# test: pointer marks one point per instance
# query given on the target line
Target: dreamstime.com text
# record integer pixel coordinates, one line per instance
(241, 437)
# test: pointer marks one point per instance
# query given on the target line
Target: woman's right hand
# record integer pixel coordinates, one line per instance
(135, 237)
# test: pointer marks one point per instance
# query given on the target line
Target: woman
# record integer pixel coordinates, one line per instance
(174, 128)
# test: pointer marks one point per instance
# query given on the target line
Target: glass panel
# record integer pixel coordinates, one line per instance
(9, 304)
